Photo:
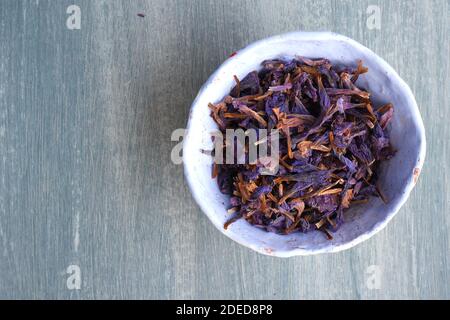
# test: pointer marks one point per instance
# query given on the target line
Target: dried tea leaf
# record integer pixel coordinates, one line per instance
(332, 140)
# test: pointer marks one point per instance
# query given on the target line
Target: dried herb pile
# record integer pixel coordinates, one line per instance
(332, 140)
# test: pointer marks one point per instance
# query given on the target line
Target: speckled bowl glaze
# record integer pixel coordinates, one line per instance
(397, 176)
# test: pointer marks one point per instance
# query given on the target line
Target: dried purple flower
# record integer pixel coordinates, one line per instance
(331, 143)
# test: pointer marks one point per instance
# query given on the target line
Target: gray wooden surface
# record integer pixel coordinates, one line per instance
(85, 171)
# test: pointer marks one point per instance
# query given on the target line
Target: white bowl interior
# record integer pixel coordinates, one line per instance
(397, 176)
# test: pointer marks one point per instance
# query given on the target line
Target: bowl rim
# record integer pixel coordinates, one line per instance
(420, 157)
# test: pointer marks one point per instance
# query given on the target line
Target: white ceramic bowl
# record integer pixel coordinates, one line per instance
(397, 176)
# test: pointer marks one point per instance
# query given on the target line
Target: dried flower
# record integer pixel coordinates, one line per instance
(331, 143)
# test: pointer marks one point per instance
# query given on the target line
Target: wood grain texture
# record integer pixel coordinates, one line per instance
(85, 172)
